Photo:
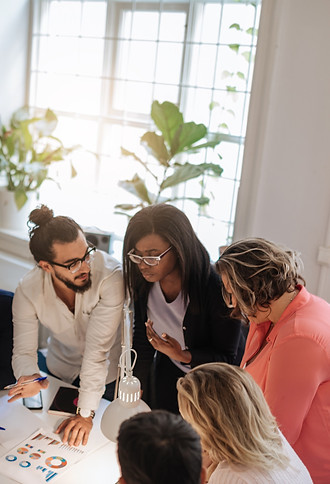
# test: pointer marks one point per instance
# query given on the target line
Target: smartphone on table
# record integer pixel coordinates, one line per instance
(33, 403)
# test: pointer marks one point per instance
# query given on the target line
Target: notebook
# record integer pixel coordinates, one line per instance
(64, 402)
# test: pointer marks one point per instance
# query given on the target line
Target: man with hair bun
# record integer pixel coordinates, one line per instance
(77, 293)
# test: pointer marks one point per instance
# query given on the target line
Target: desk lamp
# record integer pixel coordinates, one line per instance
(128, 402)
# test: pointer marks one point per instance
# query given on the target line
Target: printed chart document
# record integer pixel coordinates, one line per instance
(33, 453)
(42, 457)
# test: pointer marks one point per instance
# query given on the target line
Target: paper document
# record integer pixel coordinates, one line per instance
(42, 457)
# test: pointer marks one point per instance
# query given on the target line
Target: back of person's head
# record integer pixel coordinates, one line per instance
(228, 410)
(172, 225)
(45, 229)
(159, 447)
(258, 272)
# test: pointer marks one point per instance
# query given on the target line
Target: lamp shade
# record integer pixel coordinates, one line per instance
(125, 406)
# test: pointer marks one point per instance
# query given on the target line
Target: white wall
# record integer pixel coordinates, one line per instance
(285, 194)
(14, 28)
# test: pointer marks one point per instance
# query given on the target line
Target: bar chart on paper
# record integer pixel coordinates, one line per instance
(40, 458)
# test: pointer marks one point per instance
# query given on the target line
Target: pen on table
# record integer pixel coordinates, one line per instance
(41, 378)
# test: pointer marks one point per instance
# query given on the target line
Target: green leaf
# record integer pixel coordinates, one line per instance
(47, 156)
(26, 136)
(201, 201)
(50, 116)
(20, 198)
(186, 135)
(73, 170)
(130, 153)
(188, 171)
(212, 141)
(137, 187)
(155, 145)
(208, 144)
(143, 163)
(226, 74)
(167, 118)
(127, 206)
(231, 88)
(234, 47)
(18, 116)
(9, 142)
(235, 26)
(247, 55)
(213, 105)
(240, 75)
(46, 124)
(251, 31)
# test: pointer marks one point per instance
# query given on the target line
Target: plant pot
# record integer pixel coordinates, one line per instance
(10, 217)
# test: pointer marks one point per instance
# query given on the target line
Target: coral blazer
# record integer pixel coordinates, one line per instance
(293, 371)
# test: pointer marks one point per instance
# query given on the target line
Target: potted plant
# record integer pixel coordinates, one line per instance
(27, 149)
(174, 141)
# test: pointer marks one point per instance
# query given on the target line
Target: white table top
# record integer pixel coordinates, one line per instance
(99, 467)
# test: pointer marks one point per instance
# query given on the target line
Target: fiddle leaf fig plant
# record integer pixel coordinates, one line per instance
(27, 149)
(172, 143)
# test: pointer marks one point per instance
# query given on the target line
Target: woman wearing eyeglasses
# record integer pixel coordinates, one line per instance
(180, 318)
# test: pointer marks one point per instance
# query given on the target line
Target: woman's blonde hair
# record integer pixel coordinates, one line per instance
(258, 272)
(229, 412)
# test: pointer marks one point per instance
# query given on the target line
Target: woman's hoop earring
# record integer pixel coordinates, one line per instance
(230, 305)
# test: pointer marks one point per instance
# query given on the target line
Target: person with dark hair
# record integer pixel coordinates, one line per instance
(159, 447)
(288, 345)
(77, 293)
(180, 316)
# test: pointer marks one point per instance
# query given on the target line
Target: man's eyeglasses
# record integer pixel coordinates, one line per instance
(149, 260)
(75, 266)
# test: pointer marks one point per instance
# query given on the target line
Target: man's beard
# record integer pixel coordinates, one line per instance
(73, 286)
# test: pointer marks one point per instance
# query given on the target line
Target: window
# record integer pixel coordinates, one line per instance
(99, 65)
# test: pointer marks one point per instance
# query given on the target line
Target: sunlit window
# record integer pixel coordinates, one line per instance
(99, 65)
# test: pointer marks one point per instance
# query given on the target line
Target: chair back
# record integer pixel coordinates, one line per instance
(6, 338)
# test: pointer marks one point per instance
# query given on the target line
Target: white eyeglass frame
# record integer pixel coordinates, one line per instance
(149, 260)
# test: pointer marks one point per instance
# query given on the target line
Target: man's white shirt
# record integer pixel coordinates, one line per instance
(79, 343)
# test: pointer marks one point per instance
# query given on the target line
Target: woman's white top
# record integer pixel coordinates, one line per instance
(167, 317)
(294, 473)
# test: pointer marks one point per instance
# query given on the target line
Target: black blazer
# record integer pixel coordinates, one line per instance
(210, 334)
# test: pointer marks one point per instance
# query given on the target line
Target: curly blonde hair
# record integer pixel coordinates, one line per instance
(229, 412)
(258, 272)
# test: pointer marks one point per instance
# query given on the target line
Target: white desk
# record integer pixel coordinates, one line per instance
(100, 467)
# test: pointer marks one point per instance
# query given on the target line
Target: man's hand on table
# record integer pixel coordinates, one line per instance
(76, 430)
(28, 390)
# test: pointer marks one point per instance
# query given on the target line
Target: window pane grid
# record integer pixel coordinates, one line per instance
(104, 61)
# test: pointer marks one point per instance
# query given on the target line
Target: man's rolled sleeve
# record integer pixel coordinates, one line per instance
(25, 359)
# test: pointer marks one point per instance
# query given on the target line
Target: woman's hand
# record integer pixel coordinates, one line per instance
(167, 345)
(28, 390)
(76, 430)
